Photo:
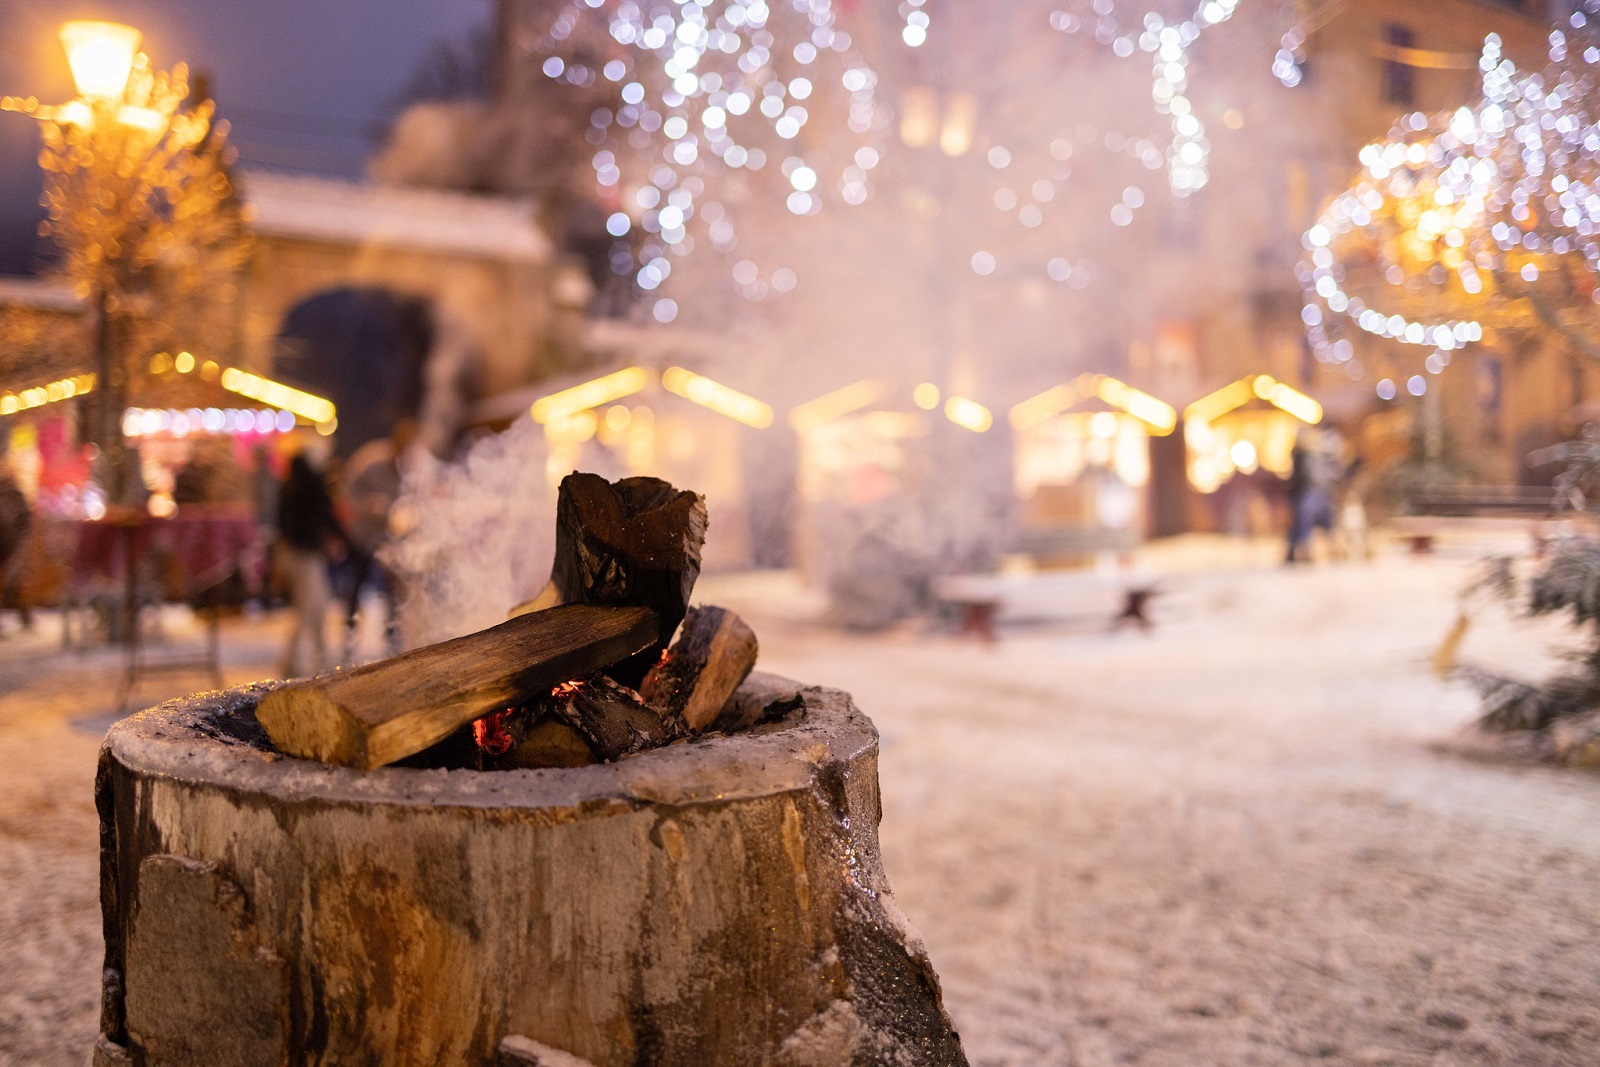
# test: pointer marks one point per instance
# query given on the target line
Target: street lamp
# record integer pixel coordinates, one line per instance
(101, 55)
(141, 209)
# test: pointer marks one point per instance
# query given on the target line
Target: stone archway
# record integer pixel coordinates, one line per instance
(363, 347)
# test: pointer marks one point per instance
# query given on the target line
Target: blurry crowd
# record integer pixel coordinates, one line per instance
(315, 524)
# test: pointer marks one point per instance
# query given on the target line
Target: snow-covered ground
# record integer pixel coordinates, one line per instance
(1227, 841)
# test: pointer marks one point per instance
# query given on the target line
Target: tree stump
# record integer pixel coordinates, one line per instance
(718, 901)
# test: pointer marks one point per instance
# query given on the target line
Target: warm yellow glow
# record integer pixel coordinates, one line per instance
(184, 363)
(1213, 405)
(1254, 439)
(919, 117)
(830, 406)
(968, 414)
(926, 396)
(894, 424)
(101, 56)
(327, 429)
(1034, 410)
(75, 113)
(961, 115)
(49, 393)
(142, 118)
(1283, 397)
(590, 394)
(209, 370)
(1161, 418)
(716, 396)
(308, 407)
(1296, 403)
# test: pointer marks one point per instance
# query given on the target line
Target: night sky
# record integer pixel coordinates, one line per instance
(305, 83)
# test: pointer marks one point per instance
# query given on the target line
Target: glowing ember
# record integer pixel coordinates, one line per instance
(491, 734)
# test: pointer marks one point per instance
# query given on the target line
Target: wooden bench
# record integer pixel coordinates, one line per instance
(977, 601)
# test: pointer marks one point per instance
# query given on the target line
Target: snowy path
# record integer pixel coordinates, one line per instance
(1226, 842)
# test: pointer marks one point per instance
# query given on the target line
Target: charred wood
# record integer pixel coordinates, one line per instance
(714, 654)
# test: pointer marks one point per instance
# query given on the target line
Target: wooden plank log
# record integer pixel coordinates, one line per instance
(636, 541)
(712, 657)
(385, 711)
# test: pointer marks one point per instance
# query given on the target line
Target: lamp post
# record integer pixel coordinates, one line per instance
(140, 207)
(102, 56)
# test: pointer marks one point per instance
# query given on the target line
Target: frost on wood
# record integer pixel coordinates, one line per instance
(718, 901)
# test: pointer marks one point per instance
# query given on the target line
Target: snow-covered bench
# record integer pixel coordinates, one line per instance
(980, 601)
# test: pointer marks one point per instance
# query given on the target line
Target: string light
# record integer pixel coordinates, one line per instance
(1288, 64)
(915, 31)
(705, 89)
(1168, 45)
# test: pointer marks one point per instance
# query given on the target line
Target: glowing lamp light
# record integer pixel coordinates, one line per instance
(1159, 416)
(147, 119)
(968, 414)
(50, 393)
(919, 117)
(926, 396)
(101, 55)
(717, 397)
(840, 402)
(311, 408)
(1035, 409)
(955, 138)
(591, 394)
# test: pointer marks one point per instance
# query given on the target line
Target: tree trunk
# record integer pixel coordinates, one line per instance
(715, 902)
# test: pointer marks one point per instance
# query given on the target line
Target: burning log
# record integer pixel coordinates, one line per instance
(385, 711)
(582, 722)
(712, 657)
(714, 903)
(631, 542)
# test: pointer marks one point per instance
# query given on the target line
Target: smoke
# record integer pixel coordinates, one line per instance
(474, 537)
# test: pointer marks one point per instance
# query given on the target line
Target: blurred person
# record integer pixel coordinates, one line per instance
(1313, 475)
(372, 485)
(310, 535)
(16, 519)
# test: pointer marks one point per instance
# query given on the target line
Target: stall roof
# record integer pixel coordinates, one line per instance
(1157, 414)
(1265, 387)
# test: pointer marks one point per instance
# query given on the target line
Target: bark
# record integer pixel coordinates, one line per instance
(716, 902)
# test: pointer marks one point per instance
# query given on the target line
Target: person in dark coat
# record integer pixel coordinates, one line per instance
(16, 519)
(308, 530)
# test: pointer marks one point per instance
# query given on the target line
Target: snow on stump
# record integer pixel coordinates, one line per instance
(715, 902)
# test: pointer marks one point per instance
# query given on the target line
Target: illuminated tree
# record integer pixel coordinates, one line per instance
(143, 215)
(1481, 221)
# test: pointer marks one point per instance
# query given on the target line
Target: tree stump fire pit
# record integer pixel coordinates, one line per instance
(716, 901)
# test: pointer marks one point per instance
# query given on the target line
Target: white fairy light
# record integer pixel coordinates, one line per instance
(1168, 45)
(704, 88)
(1501, 190)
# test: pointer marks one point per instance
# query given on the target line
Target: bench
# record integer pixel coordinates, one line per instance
(977, 601)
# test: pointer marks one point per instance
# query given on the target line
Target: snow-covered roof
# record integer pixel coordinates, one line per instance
(318, 208)
(40, 294)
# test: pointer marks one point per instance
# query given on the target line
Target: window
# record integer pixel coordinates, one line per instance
(1399, 78)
